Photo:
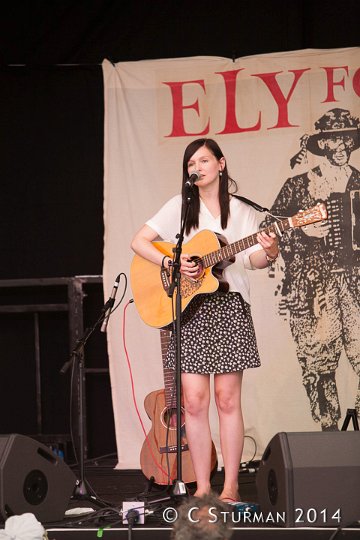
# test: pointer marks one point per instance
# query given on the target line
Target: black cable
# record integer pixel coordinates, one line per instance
(132, 517)
(245, 464)
(335, 533)
(354, 524)
(95, 459)
(89, 517)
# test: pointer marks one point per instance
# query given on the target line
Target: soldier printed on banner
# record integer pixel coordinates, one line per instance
(321, 275)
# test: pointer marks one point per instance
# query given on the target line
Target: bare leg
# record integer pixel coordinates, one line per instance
(196, 392)
(228, 401)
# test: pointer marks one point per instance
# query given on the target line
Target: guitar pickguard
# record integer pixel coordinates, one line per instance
(189, 287)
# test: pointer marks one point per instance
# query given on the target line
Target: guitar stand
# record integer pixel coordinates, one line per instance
(150, 484)
(148, 488)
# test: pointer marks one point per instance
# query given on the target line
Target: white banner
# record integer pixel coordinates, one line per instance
(263, 111)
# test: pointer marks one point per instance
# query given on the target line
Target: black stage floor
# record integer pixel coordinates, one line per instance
(114, 487)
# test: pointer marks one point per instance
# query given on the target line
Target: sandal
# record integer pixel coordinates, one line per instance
(228, 500)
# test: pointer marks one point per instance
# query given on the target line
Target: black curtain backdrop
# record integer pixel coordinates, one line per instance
(52, 167)
(51, 150)
(86, 31)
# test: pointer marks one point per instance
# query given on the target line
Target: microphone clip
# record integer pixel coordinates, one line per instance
(106, 311)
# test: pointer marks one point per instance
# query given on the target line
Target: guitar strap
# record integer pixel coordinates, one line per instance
(259, 209)
(251, 203)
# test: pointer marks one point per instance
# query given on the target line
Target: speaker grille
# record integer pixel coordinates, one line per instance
(33, 479)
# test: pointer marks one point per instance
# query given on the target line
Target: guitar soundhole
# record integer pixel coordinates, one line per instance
(168, 418)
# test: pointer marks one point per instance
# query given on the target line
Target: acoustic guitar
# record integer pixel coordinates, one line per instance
(150, 284)
(158, 456)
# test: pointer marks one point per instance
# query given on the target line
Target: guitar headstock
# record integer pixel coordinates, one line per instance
(312, 215)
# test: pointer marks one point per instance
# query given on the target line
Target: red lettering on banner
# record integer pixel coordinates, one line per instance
(232, 88)
(231, 125)
(356, 82)
(331, 82)
(281, 101)
(178, 128)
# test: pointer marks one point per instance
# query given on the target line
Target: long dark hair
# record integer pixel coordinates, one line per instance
(225, 183)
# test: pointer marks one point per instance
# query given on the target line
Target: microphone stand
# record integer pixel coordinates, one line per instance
(179, 487)
(77, 354)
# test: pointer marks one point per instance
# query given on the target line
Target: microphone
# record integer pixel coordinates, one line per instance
(192, 179)
(109, 304)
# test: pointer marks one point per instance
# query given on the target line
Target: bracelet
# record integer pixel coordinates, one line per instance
(269, 259)
(163, 259)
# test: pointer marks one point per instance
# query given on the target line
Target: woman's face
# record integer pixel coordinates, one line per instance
(206, 164)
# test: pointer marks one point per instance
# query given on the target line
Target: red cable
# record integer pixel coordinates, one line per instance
(134, 397)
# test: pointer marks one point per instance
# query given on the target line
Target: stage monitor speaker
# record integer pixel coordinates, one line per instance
(310, 479)
(33, 479)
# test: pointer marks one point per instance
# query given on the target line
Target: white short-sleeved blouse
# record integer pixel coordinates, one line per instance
(242, 223)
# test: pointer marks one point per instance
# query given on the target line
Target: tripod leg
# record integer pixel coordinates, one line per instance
(350, 415)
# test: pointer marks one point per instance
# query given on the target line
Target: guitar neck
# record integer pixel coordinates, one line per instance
(228, 251)
(169, 374)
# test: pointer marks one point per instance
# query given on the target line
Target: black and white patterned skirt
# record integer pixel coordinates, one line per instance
(217, 336)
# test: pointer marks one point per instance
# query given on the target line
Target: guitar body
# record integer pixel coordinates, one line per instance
(160, 448)
(151, 299)
(154, 448)
(212, 253)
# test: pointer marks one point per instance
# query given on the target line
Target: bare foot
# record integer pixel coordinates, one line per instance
(201, 493)
(203, 489)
